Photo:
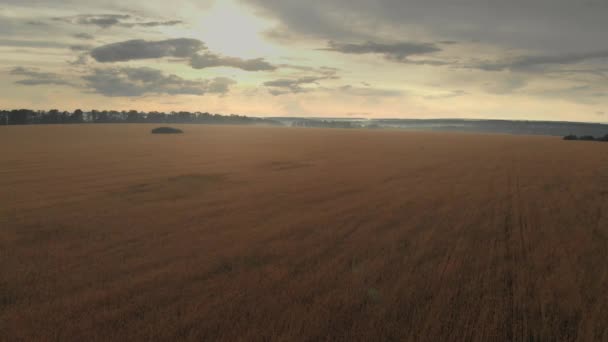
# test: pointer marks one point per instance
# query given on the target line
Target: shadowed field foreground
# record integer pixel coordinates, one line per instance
(247, 233)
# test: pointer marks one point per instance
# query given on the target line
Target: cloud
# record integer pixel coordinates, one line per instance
(591, 93)
(431, 62)
(394, 51)
(80, 47)
(39, 44)
(100, 20)
(371, 92)
(543, 25)
(83, 36)
(286, 86)
(131, 82)
(311, 19)
(103, 21)
(109, 20)
(531, 62)
(155, 23)
(297, 82)
(209, 60)
(193, 50)
(220, 85)
(508, 85)
(451, 94)
(37, 23)
(323, 70)
(30, 30)
(142, 49)
(33, 77)
(82, 59)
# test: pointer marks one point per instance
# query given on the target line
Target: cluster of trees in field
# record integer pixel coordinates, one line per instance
(586, 138)
(54, 116)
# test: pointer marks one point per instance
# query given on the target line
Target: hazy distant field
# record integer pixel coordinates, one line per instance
(244, 233)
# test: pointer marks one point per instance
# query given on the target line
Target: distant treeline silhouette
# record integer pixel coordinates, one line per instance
(54, 116)
(327, 124)
(586, 138)
(584, 131)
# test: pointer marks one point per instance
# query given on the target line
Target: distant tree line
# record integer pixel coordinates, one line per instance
(54, 116)
(586, 138)
(326, 124)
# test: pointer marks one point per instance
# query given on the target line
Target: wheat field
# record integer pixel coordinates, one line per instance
(277, 234)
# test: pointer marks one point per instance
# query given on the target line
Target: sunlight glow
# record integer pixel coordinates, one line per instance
(228, 29)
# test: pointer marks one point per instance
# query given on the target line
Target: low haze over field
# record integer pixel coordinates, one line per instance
(544, 59)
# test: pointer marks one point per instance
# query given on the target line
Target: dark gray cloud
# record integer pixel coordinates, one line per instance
(430, 62)
(369, 92)
(583, 71)
(531, 62)
(109, 20)
(104, 21)
(83, 36)
(131, 82)
(305, 84)
(321, 70)
(301, 80)
(142, 49)
(127, 82)
(308, 83)
(393, 51)
(210, 60)
(100, 20)
(192, 50)
(108, 5)
(37, 23)
(314, 19)
(292, 86)
(34, 77)
(155, 23)
(80, 47)
(550, 26)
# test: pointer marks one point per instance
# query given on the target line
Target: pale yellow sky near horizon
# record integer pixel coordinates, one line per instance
(321, 59)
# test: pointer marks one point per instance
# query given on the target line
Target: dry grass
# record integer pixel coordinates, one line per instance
(245, 233)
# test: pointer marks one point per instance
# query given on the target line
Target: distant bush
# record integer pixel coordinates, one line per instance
(586, 138)
(167, 130)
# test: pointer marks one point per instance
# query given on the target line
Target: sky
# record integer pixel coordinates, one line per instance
(491, 59)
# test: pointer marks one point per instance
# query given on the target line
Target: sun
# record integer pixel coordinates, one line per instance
(230, 29)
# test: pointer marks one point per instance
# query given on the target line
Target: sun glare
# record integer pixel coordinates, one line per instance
(228, 29)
